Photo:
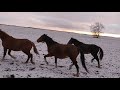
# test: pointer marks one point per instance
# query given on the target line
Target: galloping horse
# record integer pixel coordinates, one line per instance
(10, 43)
(61, 51)
(88, 48)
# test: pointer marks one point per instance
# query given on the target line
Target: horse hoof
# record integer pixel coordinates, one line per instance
(25, 62)
(69, 68)
(99, 67)
(77, 75)
(47, 63)
(55, 66)
(33, 63)
(14, 58)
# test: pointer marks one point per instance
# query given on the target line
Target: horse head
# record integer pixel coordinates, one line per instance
(42, 38)
(70, 41)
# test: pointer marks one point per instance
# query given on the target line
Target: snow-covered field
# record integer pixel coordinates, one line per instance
(110, 63)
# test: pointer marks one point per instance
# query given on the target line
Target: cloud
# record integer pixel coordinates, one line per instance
(112, 28)
(54, 22)
(26, 19)
(66, 20)
(107, 17)
(58, 21)
(14, 17)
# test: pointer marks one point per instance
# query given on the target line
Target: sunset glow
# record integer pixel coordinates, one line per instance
(76, 22)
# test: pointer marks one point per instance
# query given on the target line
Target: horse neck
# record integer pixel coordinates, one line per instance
(78, 43)
(50, 42)
(4, 36)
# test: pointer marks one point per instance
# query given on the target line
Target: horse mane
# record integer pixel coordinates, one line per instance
(77, 41)
(49, 39)
(4, 34)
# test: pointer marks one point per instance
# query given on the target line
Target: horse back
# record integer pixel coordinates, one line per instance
(88, 48)
(16, 44)
(63, 51)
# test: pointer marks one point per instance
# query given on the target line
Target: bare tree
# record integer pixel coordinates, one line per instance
(96, 29)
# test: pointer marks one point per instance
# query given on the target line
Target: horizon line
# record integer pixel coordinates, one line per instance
(68, 30)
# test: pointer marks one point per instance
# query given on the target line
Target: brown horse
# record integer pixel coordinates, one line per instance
(10, 43)
(61, 51)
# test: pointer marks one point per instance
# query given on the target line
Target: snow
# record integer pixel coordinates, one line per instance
(110, 63)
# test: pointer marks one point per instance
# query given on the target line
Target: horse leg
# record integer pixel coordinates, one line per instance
(55, 62)
(48, 55)
(70, 67)
(93, 54)
(27, 59)
(29, 55)
(4, 54)
(9, 53)
(98, 62)
(96, 57)
(92, 60)
(77, 67)
(32, 59)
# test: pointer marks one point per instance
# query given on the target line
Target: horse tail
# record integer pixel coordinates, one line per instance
(35, 49)
(101, 53)
(83, 60)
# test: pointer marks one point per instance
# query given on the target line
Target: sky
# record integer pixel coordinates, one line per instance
(64, 21)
